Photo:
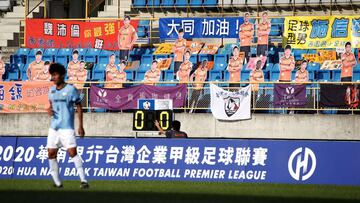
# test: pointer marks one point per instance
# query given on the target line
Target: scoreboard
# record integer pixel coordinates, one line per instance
(144, 120)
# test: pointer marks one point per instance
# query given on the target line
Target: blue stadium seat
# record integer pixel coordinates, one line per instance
(13, 72)
(98, 73)
(275, 72)
(196, 2)
(140, 74)
(104, 57)
(356, 73)
(245, 74)
(293, 74)
(23, 70)
(139, 3)
(142, 32)
(203, 57)
(169, 75)
(220, 62)
(194, 59)
(136, 53)
(323, 75)
(144, 23)
(210, 3)
(161, 56)
(312, 51)
(226, 75)
(20, 56)
(298, 53)
(153, 3)
(92, 55)
(167, 2)
(63, 56)
(130, 75)
(49, 54)
(336, 75)
(146, 61)
(181, 3)
(215, 75)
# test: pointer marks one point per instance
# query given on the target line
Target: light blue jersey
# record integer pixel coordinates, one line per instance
(63, 106)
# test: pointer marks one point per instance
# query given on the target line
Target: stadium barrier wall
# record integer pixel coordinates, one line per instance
(201, 125)
(254, 161)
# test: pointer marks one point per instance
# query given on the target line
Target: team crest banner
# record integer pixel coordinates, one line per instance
(303, 32)
(227, 105)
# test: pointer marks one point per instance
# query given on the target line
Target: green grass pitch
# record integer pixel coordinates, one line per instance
(39, 191)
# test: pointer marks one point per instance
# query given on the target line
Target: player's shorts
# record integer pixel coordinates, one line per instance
(61, 138)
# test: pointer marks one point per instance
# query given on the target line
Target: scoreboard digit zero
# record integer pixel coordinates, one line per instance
(143, 120)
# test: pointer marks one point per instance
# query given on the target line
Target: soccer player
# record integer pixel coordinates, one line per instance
(73, 65)
(152, 76)
(112, 74)
(179, 50)
(185, 68)
(35, 67)
(200, 75)
(174, 132)
(234, 68)
(348, 63)
(44, 75)
(62, 99)
(257, 75)
(2, 67)
(246, 36)
(263, 31)
(302, 75)
(287, 64)
(81, 75)
(126, 39)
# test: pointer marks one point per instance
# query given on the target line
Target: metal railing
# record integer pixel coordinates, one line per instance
(263, 102)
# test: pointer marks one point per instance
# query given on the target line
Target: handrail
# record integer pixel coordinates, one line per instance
(37, 5)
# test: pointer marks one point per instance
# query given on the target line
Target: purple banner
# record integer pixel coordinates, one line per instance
(289, 95)
(126, 98)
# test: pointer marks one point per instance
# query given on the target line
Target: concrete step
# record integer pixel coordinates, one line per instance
(18, 9)
(7, 35)
(104, 14)
(10, 28)
(111, 8)
(10, 20)
(3, 43)
(14, 15)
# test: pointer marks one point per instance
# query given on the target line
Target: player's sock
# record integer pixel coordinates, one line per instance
(79, 166)
(54, 168)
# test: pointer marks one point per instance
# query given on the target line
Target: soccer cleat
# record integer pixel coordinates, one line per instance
(84, 185)
(58, 186)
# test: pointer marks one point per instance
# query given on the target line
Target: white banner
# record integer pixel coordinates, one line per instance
(227, 105)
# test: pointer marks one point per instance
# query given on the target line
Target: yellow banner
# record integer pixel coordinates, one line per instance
(304, 32)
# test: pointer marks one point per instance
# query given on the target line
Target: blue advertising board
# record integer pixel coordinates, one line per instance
(200, 27)
(235, 160)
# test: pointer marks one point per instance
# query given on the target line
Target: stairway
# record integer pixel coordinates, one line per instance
(11, 24)
(111, 9)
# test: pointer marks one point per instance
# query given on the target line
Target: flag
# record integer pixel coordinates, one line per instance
(289, 96)
(227, 105)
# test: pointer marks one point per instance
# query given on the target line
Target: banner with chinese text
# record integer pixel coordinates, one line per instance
(200, 27)
(231, 160)
(47, 33)
(290, 96)
(127, 98)
(24, 97)
(303, 32)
